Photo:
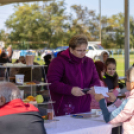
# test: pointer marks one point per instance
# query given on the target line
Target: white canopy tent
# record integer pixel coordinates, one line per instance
(127, 25)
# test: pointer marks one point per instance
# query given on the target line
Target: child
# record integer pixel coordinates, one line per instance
(100, 67)
(125, 112)
(111, 77)
(103, 57)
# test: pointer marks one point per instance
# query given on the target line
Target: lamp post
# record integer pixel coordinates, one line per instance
(100, 18)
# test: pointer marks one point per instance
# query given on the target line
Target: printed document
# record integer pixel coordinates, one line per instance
(101, 90)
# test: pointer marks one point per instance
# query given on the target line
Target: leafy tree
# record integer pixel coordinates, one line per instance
(81, 23)
(132, 33)
(36, 25)
(55, 18)
(114, 31)
(24, 23)
(3, 35)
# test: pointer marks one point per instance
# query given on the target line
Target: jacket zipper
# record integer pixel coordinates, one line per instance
(82, 81)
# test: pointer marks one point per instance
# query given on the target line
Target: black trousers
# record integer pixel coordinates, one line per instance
(117, 130)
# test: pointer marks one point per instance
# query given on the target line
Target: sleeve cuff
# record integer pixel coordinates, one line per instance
(105, 112)
(117, 102)
(68, 90)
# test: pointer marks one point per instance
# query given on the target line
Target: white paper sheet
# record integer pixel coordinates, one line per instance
(101, 90)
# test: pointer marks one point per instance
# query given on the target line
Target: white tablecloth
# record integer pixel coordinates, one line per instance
(70, 125)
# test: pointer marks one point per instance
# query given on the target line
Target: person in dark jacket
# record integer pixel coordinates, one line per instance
(47, 60)
(111, 77)
(5, 57)
(16, 117)
(69, 73)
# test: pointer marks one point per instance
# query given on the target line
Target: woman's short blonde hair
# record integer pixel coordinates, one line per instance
(130, 74)
(78, 40)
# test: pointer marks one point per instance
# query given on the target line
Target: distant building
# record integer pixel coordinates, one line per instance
(2, 44)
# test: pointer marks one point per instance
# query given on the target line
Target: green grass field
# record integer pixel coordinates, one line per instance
(119, 59)
(121, 63)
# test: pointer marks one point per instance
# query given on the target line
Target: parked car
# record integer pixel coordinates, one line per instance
(59, 49)
(95, 50)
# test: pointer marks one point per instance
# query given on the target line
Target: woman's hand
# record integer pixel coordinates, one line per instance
(98, 97)
(76, 91)
(92, 92)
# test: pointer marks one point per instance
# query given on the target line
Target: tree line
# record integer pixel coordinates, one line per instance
(50, 25)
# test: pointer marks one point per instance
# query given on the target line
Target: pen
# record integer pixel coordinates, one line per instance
(79, 116)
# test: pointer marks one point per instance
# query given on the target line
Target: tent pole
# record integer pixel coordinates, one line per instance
(127, 33)
(100, 18)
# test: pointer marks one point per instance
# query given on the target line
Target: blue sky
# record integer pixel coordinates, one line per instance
(108, 8)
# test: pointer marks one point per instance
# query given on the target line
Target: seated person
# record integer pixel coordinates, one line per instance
(125, 112)
(111, 77)
(103, 57)
(5, 57)
(16, 117)
(47, 60)
(3, 60)
(101, 69)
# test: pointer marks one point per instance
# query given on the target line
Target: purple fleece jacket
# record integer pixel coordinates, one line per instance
(65, 72)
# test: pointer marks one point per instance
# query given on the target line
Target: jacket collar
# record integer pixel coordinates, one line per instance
(75, 59)
(107, 75)
(71, 57)
(17, 106)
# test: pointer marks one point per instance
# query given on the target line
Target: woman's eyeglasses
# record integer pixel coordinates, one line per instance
(82, 51)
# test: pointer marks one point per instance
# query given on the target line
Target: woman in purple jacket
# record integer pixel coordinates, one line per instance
(71, 72)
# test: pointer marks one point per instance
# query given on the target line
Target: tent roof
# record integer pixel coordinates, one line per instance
(4, 2)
